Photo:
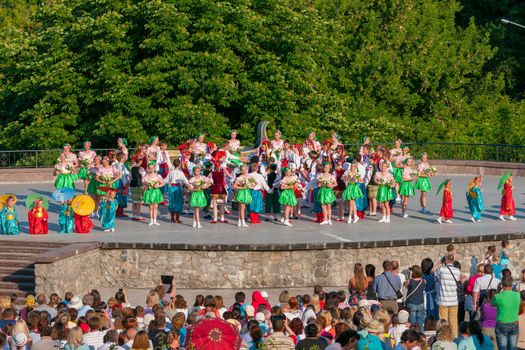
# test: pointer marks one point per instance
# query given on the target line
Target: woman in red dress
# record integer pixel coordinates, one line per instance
(38, 219)
(507, 202)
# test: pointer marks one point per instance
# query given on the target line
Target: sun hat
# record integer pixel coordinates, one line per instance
(264, 293)
(75, 303)
(249, 311)
(374, 327)
(20, 339)
(402, 316)
(259, 317)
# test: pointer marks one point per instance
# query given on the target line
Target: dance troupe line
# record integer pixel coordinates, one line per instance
(280, 177)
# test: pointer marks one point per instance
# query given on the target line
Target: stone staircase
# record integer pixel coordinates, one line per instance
(17, 268)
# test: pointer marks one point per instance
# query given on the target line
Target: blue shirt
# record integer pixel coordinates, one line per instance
(383, 288)
(369, 342)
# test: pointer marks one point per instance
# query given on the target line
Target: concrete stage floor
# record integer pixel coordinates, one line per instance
(417, 226)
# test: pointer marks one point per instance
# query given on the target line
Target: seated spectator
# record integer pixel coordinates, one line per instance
(410, 339)
(444, 339)
(312, 340)
(141, 341)
(46, 342)
(95, 337)
(110, 341)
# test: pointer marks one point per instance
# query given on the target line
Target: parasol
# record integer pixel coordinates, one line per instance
(83, 205)
(441, 185)
(3, 199)
(503, 180)
(30, 200)
(64, 194)
(213, 334)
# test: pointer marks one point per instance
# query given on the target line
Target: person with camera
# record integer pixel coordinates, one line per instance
(387, 287)
(447, 284)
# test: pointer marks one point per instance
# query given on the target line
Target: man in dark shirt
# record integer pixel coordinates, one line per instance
(312, 341)
(158, 334)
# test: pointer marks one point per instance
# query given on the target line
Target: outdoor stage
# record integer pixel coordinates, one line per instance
(417, 226)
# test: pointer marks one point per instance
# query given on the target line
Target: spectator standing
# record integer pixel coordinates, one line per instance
(508, 304)
(402, 278)
(488, 318)
(415, 300)
(483, 285)
(387, 286)
(431, 308)
(521, 323)
(447, 279)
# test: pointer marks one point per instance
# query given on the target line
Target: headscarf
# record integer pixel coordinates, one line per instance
(125, 141)
(152, 162)
(420, 156)
(257, 300)
(152, 139)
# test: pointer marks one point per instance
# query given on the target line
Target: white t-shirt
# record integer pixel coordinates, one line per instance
(482, 283)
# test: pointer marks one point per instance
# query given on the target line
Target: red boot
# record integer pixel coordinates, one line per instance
(177, 218)
(361, 214)
(319, 217)
(255, 219)
(120, 212)
(172, 217)
(251, 217)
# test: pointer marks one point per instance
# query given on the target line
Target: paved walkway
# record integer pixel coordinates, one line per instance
(416, 226)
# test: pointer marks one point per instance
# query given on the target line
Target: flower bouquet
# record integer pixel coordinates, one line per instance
(85, 161)
(414, 173)
(152, 184)
(200, 153)
(430, 171)
(325, 182)
(199, 184)
(68, 169)
(106, 178)
(353, 177)
(292, 183)
(396, 153)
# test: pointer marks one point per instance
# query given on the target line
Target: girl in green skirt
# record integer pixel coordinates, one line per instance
(397, 167)
(386, 182)
(64, 172)
(326, 195)
(85, 160)
(242, 185)
(406, 190)
(93, 183)
(152, 183)
(423, 183)
(287, 197)
(198, 200)
(352, 178)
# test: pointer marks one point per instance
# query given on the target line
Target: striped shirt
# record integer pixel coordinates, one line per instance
(446, 287)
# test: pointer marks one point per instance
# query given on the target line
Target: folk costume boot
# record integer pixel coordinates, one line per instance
(172, 218)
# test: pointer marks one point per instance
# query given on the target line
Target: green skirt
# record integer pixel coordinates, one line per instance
(398, 174)
(198, 199)
(65, 181)
(102, 193)
(352, 192)
(423, 184)
(243, 196)
(152, 196)
(384, 194)
(326, 195)
(406, 189)
(93, 186)
(82, 173)
(287, 197)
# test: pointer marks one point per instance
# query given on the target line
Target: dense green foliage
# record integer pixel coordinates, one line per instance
(422, 70)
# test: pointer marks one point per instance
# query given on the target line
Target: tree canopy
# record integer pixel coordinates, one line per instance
(421, 70)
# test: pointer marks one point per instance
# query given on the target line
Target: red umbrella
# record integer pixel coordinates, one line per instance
(213, 334)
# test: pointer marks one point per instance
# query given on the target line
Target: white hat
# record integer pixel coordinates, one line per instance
(402, 316)
(363, 303)
(264, 294)
(20, 339)
(259, 317)
(75, 303)
(249, 310)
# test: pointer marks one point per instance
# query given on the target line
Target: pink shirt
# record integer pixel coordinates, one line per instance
(407, 173)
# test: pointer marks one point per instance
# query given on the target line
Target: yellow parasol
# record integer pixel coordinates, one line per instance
(3, 199)
(83, 205)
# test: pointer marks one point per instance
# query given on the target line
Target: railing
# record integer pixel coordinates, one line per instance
(435, 150)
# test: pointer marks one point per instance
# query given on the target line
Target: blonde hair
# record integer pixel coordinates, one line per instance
(5, 302)
(284, 296)
(327, 315)
(75, 338)
(445, 333)
(382, 314)
(314, 301)
(20, 327)
(152, 299)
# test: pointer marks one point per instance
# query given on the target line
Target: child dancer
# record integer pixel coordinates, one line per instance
(507, 201)
(352, 178)
(260, 185)
(243, 197)
(386, 182)
(107, 175)
(177, 180)
(108, 210)
(326, 194)
(423, 183)
(406, 190)
(9, 218)
(38, 218)
(446, 207)
(399, 163)
(163, 164)
(272, 205)
(135, 186)
(287, 197)
(83, 224)
(86, 158)
(65, 217)
(122, 184)
(152, 183)
(198, 184)
(218, 192)
(64, 172)
(93, 182)
(122, 144)
(475, 199)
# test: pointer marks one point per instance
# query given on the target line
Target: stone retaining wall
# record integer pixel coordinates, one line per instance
(194, 269)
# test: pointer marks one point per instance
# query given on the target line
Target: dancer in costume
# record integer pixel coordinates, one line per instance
(352, 178)
(218, 192)
(395, 153)
(339, 189)
(65, 217)
(326, 194)
(406, 190)
(475, 199)
(386, 183)
(83, 224)
(64, 172)
(423, 183)
(242, 185)
(107, 175)
(287, 196)
(108, 210)
(276, 146)
(9, 218)
(508, 207)
(122, 144)
(335, 141)
(311, 144)
(272, 205)
(152, 183)
(256, 205)
(163, 162)
(200, 149)
(177, 181)
(38, 218)
(122, 184)
(86, 157)
(400, 165)
(233, 144)
(198, 183)
(153, 149)
(70, 156)
(136, 188)
(93, 182)
(446, 213)
(361, 203)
